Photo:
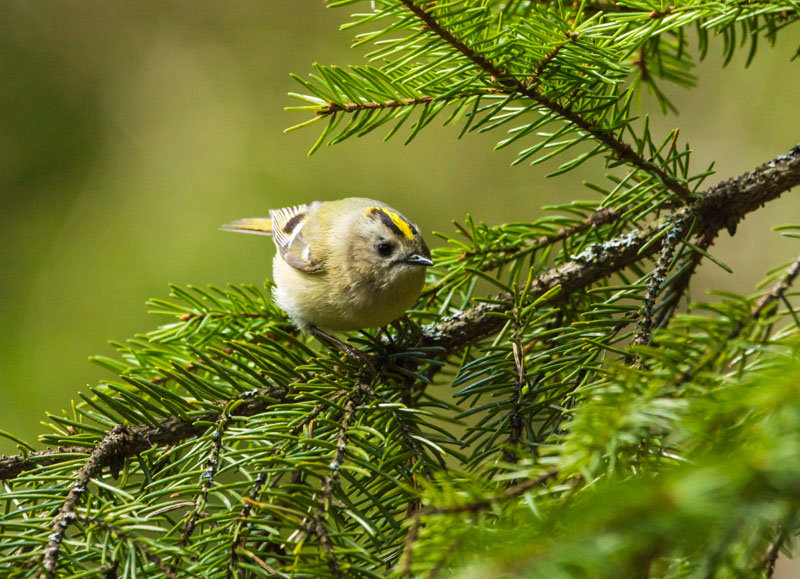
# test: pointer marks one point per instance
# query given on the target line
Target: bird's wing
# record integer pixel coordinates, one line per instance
(287, 231)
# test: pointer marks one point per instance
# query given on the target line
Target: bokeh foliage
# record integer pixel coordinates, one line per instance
(595, 428)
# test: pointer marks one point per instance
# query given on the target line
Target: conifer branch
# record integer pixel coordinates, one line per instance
(212, 464)
(121, 535)
(13, 465)
(208, 315)
(354, 107)
(136, 439)
(112, 451)
(680, 285)
(623, 151)
(510, 493)
(105, 453)
(779, 289)
(720, 207)
(644, 325)
(316, 524)
(602, 216)
(241, 530)
(412, 444)
(545, 62)
(515, 417)
(773, 553)
(776, 293)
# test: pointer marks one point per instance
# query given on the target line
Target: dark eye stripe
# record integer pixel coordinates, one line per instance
(292, 223)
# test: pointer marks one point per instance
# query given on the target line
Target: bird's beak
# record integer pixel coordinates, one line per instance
(417, 259)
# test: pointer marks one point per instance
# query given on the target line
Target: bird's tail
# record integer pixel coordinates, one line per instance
(255, 225)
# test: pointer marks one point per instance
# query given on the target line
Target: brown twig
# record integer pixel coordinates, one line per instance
(778, 290)
(680, 285)
(12, 466)
(330, 482)
(246, 315)
(548, 58)
(515, 416)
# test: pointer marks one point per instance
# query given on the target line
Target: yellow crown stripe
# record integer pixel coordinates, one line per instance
(398, 220)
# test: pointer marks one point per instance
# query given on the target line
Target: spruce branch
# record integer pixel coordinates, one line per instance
(679, 285)
(315, 523)
(515, 417)
(120, 443)
(212, 464)
(355, 107)
(774, 552)
(720, 207)
(12, 466)
(512, 85)
(121, 535)
(491, 256)
(779, 290)
(603, 216)
(475, 507)
(241, 530)
(107, 452)
(538, 72)
(612, 526)
(406, 432)
(762, 305)
(132, 440)
(644, 325)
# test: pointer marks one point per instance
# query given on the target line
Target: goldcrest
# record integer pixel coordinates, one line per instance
(343, 265)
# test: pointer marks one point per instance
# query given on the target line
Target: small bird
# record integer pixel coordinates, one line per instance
(343, 265)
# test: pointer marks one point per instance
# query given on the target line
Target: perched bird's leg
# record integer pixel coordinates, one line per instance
(383, 337)
(415, 329)
(346, 348)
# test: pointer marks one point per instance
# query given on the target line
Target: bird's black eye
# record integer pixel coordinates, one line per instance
(385, 248)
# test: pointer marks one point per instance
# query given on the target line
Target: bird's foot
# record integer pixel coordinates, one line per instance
(412, 330)
(354, 353)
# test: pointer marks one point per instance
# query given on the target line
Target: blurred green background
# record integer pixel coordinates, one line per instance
(129, 131)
